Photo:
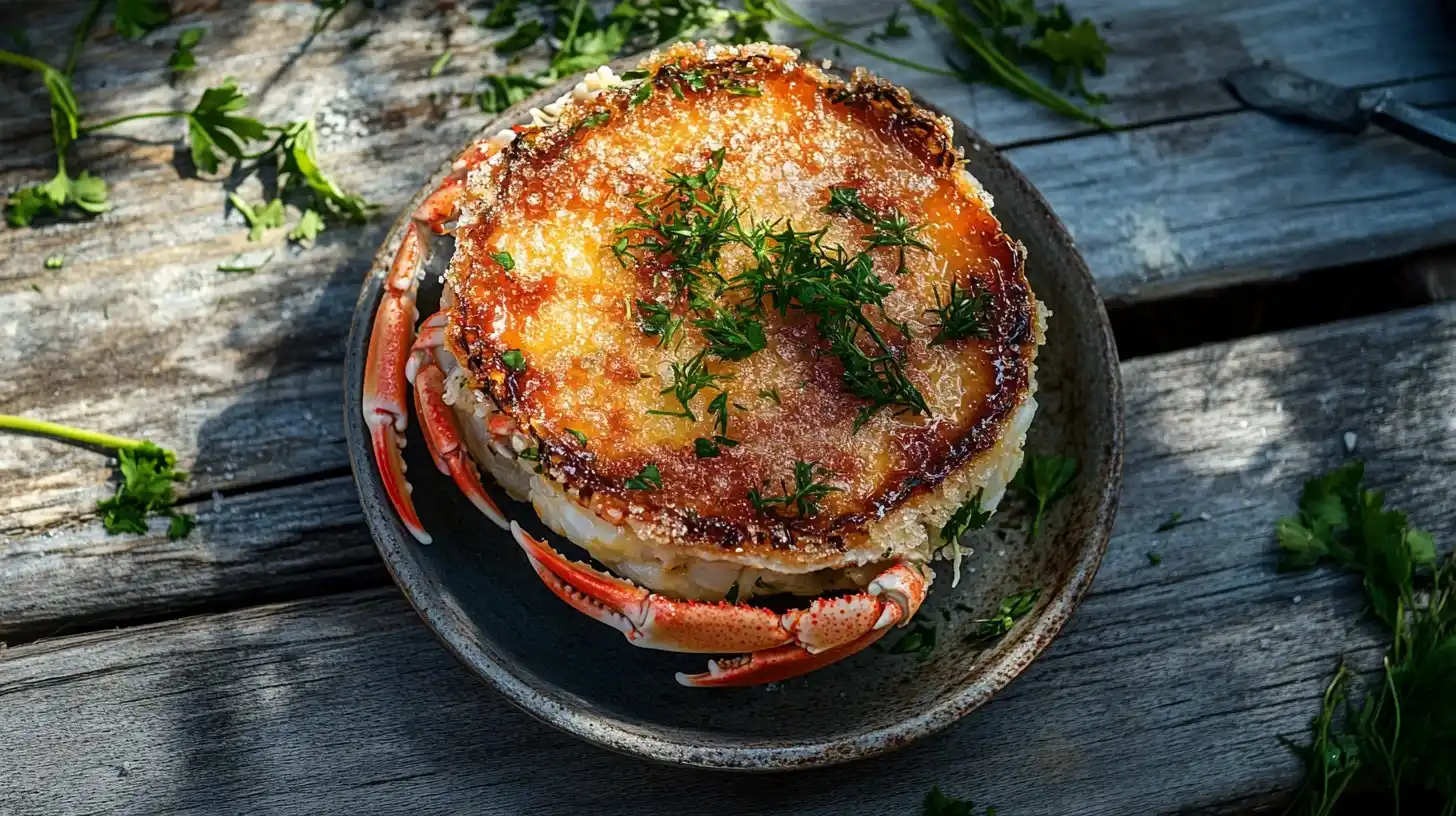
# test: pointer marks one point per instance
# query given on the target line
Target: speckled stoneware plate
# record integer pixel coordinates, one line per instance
(475, 590)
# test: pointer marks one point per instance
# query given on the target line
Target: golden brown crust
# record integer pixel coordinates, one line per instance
(554, 199)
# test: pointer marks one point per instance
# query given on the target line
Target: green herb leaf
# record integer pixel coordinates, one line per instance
(504, 259)
(522, 38)
(55, 261)
(648, 478)
(260, 219)
(919, 641)
(731, 596)
(892, 30)
(514, 360)
(214, 125)
(968, 516)
(1042, 480)
(810, 487)
(85, 192)
(182, 59)
(961, 317)
(500, 91)
(1013, 608)
(134, 18)
(706, 448)
(599, 118)
(502, 14)
(440, 62)
(642, 94)
(238, 265)
(938, 804)
(1154, 559)
(657, 320)
(531, 454)
(309, 225)
(578, 436)
(146, 488)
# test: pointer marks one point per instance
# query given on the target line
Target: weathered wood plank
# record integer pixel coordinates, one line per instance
(344, 703)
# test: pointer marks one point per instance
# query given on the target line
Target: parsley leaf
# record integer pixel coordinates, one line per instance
(578, 436)
(182, 59)
(706, 448)
(1011, 609)
(1401, 739)
(309, 225)
(500, 91)
(648, 478)
(268, 216)
(939, 804)
(1042, 480)
(502, 14)
(55, 261)
(213, 126)
(522, 38)
(134, 18)
(514, 360)
(504, 259)
(968, 516)
(85, 192)
(919, 641)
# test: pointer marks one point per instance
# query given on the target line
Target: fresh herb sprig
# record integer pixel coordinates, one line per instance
(939, 804)
(688, 380)
(1400, 740)
(148, 473)
(810, 487)
(586, 41)
(1011, 609)
(969, 516)
(1043, 480)
(963, 315)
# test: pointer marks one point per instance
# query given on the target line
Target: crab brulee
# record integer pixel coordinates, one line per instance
(736, 328)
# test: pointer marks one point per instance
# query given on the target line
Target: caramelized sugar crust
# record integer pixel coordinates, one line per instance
(554, 200)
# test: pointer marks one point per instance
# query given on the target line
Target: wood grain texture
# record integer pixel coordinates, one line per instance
(345, 704)
(248, 367)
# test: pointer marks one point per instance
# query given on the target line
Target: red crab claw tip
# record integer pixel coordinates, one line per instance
(773, 665)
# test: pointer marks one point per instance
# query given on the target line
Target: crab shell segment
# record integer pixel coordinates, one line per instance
(779, 645)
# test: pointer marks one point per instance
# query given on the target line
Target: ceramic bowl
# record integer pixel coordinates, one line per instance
(476, 592)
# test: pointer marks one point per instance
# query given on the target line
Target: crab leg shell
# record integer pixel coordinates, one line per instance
(773, 665)
(650, 620)
(440, 425)
(827, 634)
(443, 205)
(385, 402)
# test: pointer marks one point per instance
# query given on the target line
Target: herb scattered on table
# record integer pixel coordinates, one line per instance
(55, 261)
(148, 473)
(1399, 741)
(586, 42)
(182, 59)
(440, 62)
(134, 18)
(1012, 609)
(939, 804)
(1043, 480)
(1154, 559)
(237, 264)
(1176, 520)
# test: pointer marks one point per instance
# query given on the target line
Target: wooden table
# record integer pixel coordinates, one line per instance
(266, 663)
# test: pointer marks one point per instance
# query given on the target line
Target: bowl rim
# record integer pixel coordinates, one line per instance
(540, 700)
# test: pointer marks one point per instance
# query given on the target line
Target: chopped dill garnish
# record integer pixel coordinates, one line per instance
(810, 487)
(961, 316)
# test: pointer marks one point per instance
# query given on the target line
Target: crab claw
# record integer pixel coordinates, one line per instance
(441, 428)
(443, 205)
(899, 591)
(773, 665)
(779, 646)
(385, 402)
(650, 620)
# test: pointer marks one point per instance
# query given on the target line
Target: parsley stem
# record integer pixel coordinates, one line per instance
(118, 120)
(82, 32)
(21, 61)
(52, 429)
(570, 40)
(782, 11)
